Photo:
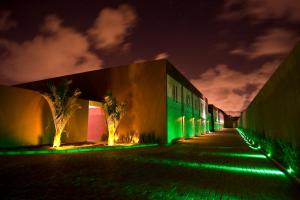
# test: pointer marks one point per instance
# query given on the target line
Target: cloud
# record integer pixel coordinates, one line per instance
(274, 42)
(126, 47)
(232, 90)
(139, 60)
(5, 22)
(112, 26)
(162, 55)
(259, 10)
(57, 50)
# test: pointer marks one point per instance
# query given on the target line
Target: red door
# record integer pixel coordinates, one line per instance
(96, 124)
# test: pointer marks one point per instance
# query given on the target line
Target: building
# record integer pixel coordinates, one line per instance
(217, 118)
(230, 121)
(162, 105)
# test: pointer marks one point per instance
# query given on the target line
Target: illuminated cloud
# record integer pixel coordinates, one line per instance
(259, 10)
(112, 26)
(273, 42)
(162, 55)
(5, 22)
(159, 56)
(139, 60)
(57, 50)
(232, 90)
(125, 47)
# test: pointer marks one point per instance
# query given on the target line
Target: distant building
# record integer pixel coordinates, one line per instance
(230, 121)
(162, 105)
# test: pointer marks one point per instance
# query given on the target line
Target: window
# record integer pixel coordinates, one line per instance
(196, 104)
(176, 96)
(188, 100)
(174, 93)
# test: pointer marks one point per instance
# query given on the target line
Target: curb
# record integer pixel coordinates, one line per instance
(275, 162)
(282, 168)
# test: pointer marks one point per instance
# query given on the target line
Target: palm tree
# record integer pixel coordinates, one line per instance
(63, 104)
(114, 113)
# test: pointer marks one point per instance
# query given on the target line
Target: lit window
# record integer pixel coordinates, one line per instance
(176, 97)
(188, 99)
(173, 92)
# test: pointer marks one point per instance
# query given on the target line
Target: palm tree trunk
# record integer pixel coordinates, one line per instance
(111, 133)
(56, 141)
(59, 130)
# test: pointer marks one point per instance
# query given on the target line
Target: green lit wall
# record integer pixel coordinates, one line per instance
(186, 112)
(196, 112)
(209, 123)
(216, 118)
(174, 110)
(203, 117)
(189, 130)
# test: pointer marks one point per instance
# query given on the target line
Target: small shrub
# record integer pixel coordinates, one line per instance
(149, 138)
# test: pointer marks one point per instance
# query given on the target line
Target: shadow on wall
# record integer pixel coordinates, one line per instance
(47, 123)
(26, 120)
(23, 115)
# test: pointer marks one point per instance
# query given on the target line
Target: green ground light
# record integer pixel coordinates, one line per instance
(75, 150)
(248, 141)
(234, 169)
(243, 155)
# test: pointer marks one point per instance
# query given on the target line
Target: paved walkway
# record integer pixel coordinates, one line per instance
(216, 166)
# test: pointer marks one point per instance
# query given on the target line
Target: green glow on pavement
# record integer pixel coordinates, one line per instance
(243, 155)
(175, 190)
(257, 170)
(74, 150)
(226, 168)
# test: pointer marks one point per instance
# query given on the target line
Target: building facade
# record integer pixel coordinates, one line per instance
(162, 105)
(217, 118)
(186, 109)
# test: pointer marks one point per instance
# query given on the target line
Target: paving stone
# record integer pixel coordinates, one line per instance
(178, 171)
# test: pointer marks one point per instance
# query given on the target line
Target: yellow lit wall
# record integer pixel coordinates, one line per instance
(25, 119)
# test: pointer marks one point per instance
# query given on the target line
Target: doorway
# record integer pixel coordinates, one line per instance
(97, 127)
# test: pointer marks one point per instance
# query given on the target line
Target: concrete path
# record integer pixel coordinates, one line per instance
(215, 166)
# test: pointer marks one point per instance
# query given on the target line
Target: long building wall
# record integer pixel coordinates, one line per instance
(141, 85)
(186, 113)
(274, 112)
(147, 89)
(25, 119)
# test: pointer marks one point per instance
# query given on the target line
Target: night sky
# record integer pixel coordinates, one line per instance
(226, 48)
